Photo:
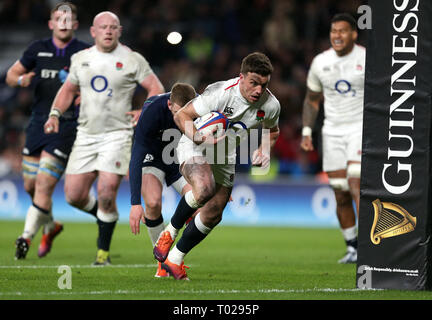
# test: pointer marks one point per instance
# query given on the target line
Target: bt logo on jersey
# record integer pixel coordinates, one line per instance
(48, 73)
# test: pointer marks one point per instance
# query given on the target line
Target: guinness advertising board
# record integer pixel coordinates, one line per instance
(395, 203)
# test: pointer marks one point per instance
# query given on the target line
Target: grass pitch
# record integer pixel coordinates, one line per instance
(233, 263)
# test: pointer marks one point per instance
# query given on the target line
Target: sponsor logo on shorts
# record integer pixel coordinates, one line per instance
(57, 152)
(148, 158)
(118, 164)
(25, 151)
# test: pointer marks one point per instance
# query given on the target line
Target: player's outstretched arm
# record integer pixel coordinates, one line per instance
(61, 103)
(17, 76)
(311, 106)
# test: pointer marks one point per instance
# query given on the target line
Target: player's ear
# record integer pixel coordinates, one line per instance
(51, 24)
(92, 31)
(355, 35)
(120, 30)
(75, 25)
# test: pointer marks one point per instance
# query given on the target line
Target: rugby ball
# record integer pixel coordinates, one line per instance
(211, 121)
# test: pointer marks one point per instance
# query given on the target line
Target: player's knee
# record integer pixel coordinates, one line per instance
(343, 198)
(75, 197)
(29, 186)
(106, 202)
(153, 205)
(205, 193)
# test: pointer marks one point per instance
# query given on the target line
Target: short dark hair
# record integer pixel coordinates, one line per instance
(73, 8)
(256, 62)
(344, 16)
(182, 93)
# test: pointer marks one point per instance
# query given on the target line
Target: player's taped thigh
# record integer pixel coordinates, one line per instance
(354, 170)
(30, 168)
(339, 184)
(179, 184)
(52, 167)
(158, 173)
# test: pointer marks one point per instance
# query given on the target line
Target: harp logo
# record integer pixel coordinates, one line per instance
(390, 220)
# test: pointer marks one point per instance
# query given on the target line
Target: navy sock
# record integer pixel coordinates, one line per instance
(93, 211)
(106, 230)
(352, 243)
(190, 238)
(153, 223)
(182, 213)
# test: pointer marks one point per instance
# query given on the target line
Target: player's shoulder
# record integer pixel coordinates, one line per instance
(84, 53)
(324, 55)
(272, 101)
(81, 45)
(39, 44)
(155, 102)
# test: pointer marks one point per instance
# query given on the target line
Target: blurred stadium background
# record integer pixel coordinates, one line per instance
(216, 35)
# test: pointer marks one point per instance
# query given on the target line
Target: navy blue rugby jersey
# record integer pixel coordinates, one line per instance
(155, 118)
(51, 65)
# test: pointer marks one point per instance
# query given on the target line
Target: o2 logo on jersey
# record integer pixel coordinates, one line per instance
(344, 87)
(100, 84)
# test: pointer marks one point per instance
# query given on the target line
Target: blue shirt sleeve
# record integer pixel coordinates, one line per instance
(148, 125)
(28, 59)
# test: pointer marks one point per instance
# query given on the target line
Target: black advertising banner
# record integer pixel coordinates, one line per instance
(395, 217)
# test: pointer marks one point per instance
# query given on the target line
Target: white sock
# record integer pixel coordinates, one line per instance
(50, 225)
(349, 233)
(173, 231)
(176, 256)
(154, 232)
(90, 204)
(34, 219)
(200, 226)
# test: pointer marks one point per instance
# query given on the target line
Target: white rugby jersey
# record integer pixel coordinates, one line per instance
(341, 79)
(225, 97)
(107, 83)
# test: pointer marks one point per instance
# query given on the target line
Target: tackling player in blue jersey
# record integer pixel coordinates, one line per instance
(150, 166)
(45, 64)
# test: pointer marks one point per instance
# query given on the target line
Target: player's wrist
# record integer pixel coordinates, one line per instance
(56, 113)
(19, 82)
(307, 131)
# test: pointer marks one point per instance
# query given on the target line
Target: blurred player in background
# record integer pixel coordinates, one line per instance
(106, 75)
(337, 76)
(244, 100)
(148, 169)
(45, 64)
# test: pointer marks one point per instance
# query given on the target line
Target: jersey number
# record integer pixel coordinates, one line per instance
(100, 84)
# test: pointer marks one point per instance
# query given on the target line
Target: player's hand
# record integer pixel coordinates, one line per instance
(27, 79)
(135, 114)
(207, 137)
(77, 100)
(306, 143)
(260, 159)
(136, 215)
(51, 125)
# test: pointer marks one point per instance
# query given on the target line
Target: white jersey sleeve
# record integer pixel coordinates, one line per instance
(143, 67)
(313, 81)
(73, 74)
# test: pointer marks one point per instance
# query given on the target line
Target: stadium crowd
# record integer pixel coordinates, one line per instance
(216, 35)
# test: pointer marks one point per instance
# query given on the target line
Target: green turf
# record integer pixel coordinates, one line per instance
(233, 263)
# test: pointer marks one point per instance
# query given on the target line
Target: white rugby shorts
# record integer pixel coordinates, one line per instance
(339, 149)
(108, 152)
(223, 173)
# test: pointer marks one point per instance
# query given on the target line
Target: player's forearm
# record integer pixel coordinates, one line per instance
(64, 98)
(12, 78)
(185, 123)
(310, 113)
